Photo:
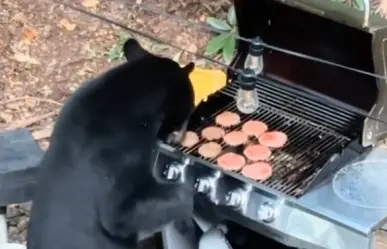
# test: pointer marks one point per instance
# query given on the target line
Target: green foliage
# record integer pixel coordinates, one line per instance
(115, 52)
(224, 43)
(359, 4)
(231, 17)
(218, 24)
(229, 48)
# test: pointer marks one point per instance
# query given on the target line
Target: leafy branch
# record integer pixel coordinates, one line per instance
(224, 43)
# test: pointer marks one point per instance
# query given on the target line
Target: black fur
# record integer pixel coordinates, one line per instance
(96, 188)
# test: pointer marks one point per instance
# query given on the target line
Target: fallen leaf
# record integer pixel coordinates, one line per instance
(20, 18)
(18, 90)
(66, 24)
(90, 3)
(23, 44)
(46, 91)
(73, 88)
(14, 106)
(7, 117)
(25, 59)
(30, 102)
(30, 33)
(13, 83)
(25, 41)
(192, 48)
(44, 144)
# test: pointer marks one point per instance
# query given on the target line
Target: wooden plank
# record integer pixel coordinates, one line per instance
(19, 159)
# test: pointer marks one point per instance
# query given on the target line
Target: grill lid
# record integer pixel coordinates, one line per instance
(341, 13)
(296, 25)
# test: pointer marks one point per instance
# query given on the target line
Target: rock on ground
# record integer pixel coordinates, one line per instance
(17, 221)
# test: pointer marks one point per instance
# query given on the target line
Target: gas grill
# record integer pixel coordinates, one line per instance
(310, 144)
(331, 116)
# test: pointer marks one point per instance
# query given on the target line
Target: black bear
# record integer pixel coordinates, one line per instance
(97, 188)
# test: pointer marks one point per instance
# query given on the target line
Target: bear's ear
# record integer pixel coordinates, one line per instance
(133, 50)
(189, 68)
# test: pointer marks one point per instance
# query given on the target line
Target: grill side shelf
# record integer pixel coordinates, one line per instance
(336, 162)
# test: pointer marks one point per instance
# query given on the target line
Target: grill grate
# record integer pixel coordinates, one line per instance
(331, 117)
(310, 144)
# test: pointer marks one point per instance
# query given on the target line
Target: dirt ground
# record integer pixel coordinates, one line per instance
(47, 50)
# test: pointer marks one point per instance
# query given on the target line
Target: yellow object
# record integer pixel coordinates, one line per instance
(206, 82)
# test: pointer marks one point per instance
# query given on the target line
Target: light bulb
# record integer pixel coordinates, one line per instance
(254, 59)
(247, 100)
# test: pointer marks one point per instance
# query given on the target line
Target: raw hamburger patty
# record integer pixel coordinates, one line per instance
(190, 139)
(258, 171)
(254, 128)
(227, 119)
(257, 152)
(273, 139)
(209, 150)
(213, 133)
(231, 161)
(235, 138)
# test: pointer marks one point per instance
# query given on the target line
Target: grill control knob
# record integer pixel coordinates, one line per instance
(206, 185)
(172, 171)
(235, 198)
(175, 170)
(203, 186)
(266, 212)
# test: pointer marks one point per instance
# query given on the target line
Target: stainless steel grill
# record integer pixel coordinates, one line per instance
(317, 106)
(313, 134)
